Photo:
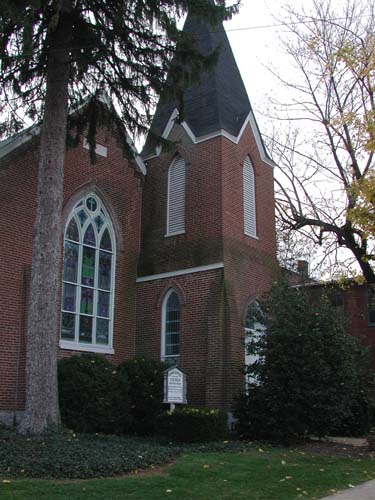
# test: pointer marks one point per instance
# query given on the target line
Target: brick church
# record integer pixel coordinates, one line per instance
(164, 252)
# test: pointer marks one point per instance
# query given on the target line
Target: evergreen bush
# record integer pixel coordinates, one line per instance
(309, 376)
(193, 425)
(144, 378)
(92, 396)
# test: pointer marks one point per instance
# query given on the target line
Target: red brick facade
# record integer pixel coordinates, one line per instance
(213, 267)
(357, 303)
(117, 183)
(213, 301)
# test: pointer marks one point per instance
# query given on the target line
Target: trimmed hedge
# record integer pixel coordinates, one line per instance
(193, 425)
(97, 396)
(93, 398)
(144, 378)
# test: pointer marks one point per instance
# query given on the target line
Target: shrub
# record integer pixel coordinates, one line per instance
(193, 425)
(93, 398)
(371, 440)
(310, 376)
(144, 378)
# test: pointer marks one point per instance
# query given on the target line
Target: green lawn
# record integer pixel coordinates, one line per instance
(256, 474)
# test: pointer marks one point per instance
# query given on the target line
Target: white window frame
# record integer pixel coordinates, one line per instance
(249, 199)
(170, 232)
(163, 356)
(76, 344)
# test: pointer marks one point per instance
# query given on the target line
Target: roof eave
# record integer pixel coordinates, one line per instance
(250, 120)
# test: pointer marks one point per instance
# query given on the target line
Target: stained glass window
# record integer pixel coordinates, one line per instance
(106, 243)
(88, 277)
(171, 328)
(72, 231)
(91, 204)
(71, 262)
(88, 266)
(105, 264)
(82, 216)
(99, 222)
(102, 331)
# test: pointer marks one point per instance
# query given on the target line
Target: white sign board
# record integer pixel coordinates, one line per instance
(174, 386)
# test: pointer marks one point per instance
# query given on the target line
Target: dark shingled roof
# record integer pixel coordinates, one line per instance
(219, 101)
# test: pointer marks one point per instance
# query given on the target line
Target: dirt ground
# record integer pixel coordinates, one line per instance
(330, 448)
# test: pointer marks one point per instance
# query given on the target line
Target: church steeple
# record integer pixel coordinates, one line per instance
(219, 101)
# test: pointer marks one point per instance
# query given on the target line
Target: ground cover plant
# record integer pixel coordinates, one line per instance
(259, 473)
(71, 455)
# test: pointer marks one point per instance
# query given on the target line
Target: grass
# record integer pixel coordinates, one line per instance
(254, 474)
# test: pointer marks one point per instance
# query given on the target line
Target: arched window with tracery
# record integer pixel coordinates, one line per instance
(170, 342)
(88, 278)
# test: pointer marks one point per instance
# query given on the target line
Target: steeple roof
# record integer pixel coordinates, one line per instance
(219, 101)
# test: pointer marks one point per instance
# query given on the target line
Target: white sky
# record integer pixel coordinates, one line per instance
(255, 36)
(255, 42)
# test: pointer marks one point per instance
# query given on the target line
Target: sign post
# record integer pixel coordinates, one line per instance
(174, 387)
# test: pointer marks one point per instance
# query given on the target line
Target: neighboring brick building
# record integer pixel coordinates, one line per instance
(357, 303)
(163, 255)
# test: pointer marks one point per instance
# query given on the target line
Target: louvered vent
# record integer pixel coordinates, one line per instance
(249, 199)
(176, 197)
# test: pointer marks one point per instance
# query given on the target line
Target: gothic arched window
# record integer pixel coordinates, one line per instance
(170, 342)
(250, 226)
(88, 278)
(176, 197)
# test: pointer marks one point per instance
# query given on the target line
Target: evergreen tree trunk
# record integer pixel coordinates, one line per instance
(42, 408)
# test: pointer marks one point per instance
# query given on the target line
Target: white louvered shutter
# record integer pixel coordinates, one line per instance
(176, 197)
(249, 199)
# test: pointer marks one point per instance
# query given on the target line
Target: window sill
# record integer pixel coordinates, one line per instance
(174, 234)
(254, 237)
(73, 346)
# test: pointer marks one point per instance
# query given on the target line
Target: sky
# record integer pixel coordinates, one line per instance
(255, 36)
(255, 40)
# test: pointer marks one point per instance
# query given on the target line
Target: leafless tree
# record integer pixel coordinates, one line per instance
(326, 148)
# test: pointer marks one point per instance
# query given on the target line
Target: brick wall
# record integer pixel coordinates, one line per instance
(119, 186)
(202, 243)
(250, 263)
(201, 331)
(214, 302)
(214, 233)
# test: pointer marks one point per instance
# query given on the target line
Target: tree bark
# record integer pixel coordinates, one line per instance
(42, 408)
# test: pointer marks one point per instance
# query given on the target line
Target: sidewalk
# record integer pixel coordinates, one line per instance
(365, 491)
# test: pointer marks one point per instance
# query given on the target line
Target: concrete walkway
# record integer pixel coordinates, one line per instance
(365, 491)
